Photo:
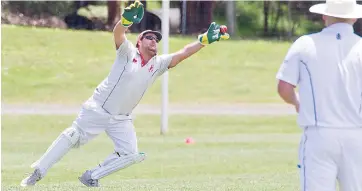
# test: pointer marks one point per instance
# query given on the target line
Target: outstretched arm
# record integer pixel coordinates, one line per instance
(184, 53)
(213, 34)
(132, 14)
(119, 33)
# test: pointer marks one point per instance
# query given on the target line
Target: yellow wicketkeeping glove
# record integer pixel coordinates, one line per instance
(132, 14)
(213, 34)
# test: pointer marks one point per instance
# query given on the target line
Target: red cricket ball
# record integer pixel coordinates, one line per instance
(189, 140)
(223, 29)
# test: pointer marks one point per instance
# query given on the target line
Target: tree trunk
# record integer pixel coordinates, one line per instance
(290, 21)
(205, 12)
(276, 21)
(191, 16)
(114, 13)
(183, 9)
(198, 15)
(231, 17)
(266, 17)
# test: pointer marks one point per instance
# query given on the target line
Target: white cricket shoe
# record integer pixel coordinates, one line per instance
(32, 179)
(87, 180)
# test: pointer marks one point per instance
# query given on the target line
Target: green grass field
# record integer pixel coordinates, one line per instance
(249, 153)
(230, 153)
(63, 66)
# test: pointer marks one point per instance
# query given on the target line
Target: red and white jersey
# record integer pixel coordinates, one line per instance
(130, 77)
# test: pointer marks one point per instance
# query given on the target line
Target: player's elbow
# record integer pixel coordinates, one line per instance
(282, 88)
(177, 58)
(174, 62)
(285, 89)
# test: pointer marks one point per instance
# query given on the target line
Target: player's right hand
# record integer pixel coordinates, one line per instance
(132, 14)
(212, 35)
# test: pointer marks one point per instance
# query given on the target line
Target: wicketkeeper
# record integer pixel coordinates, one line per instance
(110, 107)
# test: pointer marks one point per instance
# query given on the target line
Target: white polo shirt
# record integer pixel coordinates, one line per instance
(130, 77)
(327, 69)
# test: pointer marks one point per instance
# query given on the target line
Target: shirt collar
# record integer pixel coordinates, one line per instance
(340, 27)
(143, 62)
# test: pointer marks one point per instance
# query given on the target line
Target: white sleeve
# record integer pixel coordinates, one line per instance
(289, 69)
(164, 61)
(125, 48)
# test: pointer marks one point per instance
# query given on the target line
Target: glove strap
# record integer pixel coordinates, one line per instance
(203, 39)
(125, 22)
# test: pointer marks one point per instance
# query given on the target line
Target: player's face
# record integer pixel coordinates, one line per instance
(149, 43)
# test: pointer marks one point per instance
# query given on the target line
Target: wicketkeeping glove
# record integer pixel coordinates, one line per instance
(212, 34)
(132, 14)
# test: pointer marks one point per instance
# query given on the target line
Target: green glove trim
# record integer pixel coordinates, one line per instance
(133, 14)
(212, 35)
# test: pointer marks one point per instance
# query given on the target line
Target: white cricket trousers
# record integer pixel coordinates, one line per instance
(328, 155)
(93, 120)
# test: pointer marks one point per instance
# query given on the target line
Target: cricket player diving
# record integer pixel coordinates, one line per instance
(110, 108)
(327, 69)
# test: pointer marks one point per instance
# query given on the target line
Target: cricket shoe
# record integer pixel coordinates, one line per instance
(32, 179)
(87, 180)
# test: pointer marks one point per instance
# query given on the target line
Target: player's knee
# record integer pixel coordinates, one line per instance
(135, 157)
(129, 151)
(73, 135)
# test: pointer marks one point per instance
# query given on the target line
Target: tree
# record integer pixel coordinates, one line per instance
(266, 17)
(114, 13)
(231, 17)
(198, 15)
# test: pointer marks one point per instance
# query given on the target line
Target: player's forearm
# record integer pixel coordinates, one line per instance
(119, 28)
(191, 49)
(186, 52)
(119, 32)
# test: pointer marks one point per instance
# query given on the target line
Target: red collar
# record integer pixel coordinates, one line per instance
(143, 61)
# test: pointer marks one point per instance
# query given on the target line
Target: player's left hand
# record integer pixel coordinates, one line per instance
(212, 35)
(133, 14)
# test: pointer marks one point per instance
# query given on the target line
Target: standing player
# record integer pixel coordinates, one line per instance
(327, 67)
(109, 109)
